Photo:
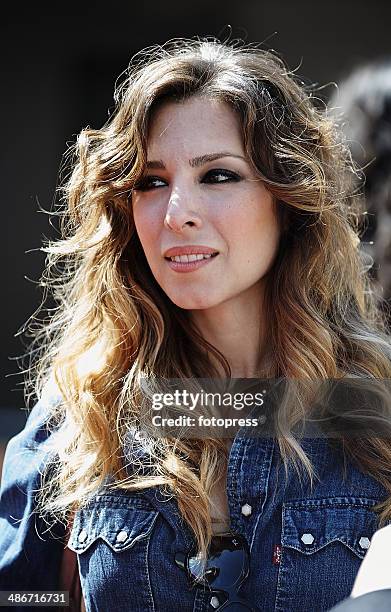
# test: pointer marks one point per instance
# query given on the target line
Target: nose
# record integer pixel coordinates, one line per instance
(180, 214)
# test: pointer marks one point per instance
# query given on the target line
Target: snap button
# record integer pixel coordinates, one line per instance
(214, 602)
(82, 536)
(246, 509)
(121, 536)
(262, 419)
(364, 542)
(307, 538)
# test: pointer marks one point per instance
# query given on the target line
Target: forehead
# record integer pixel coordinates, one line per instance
(198, 125)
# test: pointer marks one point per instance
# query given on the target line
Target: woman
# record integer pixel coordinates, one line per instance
(210, 233)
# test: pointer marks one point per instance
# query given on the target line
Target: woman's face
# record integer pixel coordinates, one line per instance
(200, 200)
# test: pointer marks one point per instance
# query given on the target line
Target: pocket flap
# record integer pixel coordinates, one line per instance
(310, 525)
(119, 525)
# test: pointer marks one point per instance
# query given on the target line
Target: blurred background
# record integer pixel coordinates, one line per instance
(59, 68)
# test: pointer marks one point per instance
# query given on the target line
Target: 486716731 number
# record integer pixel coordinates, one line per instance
(34, 598)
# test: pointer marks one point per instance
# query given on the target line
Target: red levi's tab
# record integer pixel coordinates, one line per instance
(277, 554)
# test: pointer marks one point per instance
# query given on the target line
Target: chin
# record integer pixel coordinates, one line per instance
(192, 302)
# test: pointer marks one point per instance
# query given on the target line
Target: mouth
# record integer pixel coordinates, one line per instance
(189, 263)
(192, 257)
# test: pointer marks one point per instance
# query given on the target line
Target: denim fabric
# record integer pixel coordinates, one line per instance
(306, 545)
(30, 553)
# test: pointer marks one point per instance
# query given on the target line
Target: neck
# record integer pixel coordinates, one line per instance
(237, 329)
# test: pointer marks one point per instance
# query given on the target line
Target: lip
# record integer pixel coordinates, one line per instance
(191, 249)
(190, 266)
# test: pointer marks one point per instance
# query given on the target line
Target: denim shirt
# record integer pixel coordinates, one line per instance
(306, 545)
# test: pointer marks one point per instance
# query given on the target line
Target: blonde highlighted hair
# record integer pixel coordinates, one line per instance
(114, 325)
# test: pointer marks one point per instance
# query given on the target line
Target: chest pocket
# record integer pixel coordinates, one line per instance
(111, 538)
(323, 544)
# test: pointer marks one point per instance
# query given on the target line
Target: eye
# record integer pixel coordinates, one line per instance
(219, 175)
(149, 182)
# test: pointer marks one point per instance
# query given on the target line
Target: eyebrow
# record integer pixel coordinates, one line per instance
(196, 162)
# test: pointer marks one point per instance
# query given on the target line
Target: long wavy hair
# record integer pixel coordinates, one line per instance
(113, 326)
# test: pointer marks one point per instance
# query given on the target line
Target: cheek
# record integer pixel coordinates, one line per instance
(255, 229)
(147, 229)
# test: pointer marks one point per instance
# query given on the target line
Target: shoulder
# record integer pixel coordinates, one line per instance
(31, 447)
(30, 551)
(377, 600)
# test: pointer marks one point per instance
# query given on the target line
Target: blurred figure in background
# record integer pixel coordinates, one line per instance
(363, 102)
